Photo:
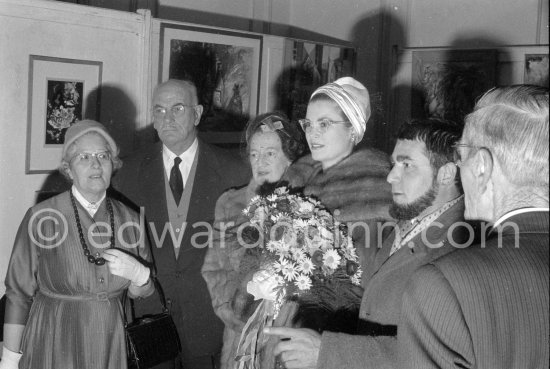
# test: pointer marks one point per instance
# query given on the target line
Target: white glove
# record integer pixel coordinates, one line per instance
(126, 266)
(10, 359)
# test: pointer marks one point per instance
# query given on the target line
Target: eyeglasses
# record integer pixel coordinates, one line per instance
(88, 157)
(322, 125)
(177, 110)
(458, 160)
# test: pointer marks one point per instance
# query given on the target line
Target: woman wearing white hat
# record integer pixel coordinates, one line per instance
(73, 257)
(349, 181)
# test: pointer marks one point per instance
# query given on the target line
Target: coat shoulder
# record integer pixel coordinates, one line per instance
(227, 163)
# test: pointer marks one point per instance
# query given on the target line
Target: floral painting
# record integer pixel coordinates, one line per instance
(61, 92)
(64, 107)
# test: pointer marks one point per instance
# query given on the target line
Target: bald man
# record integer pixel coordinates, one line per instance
(177, 181)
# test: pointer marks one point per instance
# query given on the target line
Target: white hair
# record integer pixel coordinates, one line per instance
(512, 122)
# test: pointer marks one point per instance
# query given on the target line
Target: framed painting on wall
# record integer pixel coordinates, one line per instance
(225, 67)
(59, 95)
(536, 70)
(308, 66)
(446, 83)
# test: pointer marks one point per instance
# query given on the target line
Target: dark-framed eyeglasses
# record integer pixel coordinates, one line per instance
(177, 110)
(322, 125)
(87, 158)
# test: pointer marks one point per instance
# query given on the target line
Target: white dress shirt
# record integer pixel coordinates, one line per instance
(187, 159)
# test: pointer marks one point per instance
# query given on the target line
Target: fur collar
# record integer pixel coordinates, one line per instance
(354, 189)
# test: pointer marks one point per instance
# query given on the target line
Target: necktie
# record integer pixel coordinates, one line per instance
(176, 182)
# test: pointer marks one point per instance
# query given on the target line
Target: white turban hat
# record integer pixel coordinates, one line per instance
(353, 98)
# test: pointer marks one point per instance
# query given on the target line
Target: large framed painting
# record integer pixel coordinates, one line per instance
(308, 66)
(447, 83)
(536, 70)
(225, 66)
(59, 95)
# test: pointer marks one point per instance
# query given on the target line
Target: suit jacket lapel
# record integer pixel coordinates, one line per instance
(383, 254)
(203, 196)
(152, 188)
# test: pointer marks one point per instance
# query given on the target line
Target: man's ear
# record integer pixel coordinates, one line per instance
(482, 167)
(446, 174)
(198, 113)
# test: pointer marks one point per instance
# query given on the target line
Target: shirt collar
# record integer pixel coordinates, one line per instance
(90, 207)
(186, 157)
(444, 206)
(516, 212)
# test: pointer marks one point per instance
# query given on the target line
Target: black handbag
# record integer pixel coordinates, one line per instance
(151, 339)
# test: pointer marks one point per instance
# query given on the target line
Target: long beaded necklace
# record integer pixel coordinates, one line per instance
(92, 259)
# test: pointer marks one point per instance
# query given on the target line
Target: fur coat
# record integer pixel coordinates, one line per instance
(354, 190)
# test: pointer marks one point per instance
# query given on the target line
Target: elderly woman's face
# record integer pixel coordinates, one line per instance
(90, 166)
(333, 145)
(267, 158)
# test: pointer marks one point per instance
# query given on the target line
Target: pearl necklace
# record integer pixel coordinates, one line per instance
(92, 259)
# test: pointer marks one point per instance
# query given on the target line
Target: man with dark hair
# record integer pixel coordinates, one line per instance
(427, 204)
(487, 306)
(177, 181)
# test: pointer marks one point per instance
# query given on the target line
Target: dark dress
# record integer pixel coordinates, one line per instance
(70, 308)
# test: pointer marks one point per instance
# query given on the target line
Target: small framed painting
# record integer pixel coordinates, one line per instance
(58, 91)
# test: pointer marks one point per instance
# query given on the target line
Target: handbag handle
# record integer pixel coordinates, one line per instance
(160, 292)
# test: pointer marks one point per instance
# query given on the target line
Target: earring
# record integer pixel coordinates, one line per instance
(352, 138)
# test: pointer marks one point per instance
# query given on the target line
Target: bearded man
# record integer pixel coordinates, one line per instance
(428, 206)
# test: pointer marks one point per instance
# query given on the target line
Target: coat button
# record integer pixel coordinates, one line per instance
(101, 280)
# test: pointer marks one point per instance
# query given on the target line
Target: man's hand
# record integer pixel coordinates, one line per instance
(299, 348)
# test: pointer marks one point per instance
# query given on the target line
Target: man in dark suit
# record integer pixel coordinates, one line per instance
(429, 207)
(487, 306)
(177, 182)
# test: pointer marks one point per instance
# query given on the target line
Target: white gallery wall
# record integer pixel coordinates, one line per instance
(62, 30)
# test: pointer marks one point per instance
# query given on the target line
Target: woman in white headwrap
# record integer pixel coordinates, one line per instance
(349, 181)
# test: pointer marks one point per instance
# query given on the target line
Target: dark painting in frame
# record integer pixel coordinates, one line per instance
(225, 66)
(447, 83)
(307, 66)
(536, 70)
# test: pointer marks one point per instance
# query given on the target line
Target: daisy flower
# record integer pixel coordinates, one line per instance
(289, 271)
(331, 259)
(280, 265)
(271, 245)
(300, 223)
(306, 266)
(282, 249)
(303, 282)
(297, 254)
(349, 253)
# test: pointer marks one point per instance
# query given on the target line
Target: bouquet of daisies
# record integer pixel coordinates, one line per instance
(305, 255)
(303, 247)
